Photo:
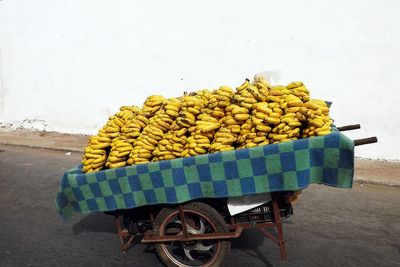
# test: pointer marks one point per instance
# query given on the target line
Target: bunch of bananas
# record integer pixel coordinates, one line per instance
(148, 139)
(287, 124)
(171, 146)
(298, 89)
(152, 104)
(133, 127)
(196, 144)
(226, 137)
(206, 121)
(172, 107)
(318, 120)
(255, 128)
(120, 150)
(95, 155)
(218, 100)
(191, 106)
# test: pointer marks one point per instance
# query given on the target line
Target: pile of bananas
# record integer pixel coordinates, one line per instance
(119, 127)
(120, 150)
(317, 116)
(257, 113)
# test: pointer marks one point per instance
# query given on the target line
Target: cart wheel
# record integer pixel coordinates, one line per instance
(200, 218)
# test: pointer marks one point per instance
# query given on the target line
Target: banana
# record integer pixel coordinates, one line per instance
(234, 128)
(317, 123)
(193, 152)
(112, 159)
(181, 132)
(193, 110)
(279, 137)
(218, 114)
(242, 117)
(311, 105)
(293, 85)
(260, 115)
(226, 89)
(172, 107)
(101, 146)
(87, 169)
(97, 151)
(273, 120)
(259, 139)
(87, 161)
(240, 110)
(320, 133)
(200, 150)
(124, 153)
(243, 86)
(223, 103)
(104, 139)
(111, 129)
(295, 124)
(210, 127)
(263, 128)
(117, 165)
(226, 148)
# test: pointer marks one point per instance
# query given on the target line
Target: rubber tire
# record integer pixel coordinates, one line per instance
(206, 211)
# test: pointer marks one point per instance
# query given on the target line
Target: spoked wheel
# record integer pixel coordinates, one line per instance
(200, 218)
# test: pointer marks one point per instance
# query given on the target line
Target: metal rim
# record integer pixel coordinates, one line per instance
(192, 253)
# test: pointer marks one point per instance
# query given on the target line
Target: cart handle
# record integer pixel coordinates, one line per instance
(364, 141)
(349, 127)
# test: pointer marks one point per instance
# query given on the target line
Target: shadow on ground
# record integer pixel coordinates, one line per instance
(249, 243)
(96, 223)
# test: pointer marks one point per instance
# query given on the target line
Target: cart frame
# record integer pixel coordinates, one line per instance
(235, 230)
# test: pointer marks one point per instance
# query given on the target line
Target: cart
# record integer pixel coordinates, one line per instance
(188, 221)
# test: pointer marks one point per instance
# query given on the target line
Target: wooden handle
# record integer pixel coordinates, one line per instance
(364, 141)
(349, 127)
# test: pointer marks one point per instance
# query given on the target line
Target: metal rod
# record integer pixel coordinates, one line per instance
(364, 141)
(119, 231)
(250, 225)
(182, 217)
(190, 237)
(278, 223)
(349, 127)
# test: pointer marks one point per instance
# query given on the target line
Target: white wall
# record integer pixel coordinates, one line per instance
(70, 64)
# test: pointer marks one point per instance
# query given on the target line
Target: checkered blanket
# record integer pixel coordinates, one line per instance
(285, 166)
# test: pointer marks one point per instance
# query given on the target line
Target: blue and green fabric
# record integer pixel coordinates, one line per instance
(286, 166)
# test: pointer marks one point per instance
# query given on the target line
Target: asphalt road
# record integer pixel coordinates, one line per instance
(330, 227)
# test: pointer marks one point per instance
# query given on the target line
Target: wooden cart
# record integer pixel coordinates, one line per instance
(198, 233)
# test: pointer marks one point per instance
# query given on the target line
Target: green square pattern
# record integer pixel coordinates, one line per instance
(286, 166)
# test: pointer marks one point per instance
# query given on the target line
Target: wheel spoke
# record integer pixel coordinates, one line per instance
(200, 247)
(187, 253)
(194, 231)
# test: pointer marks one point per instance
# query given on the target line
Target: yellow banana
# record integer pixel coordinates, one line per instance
(243, 86)
(117, 165)
(320, 133)
(279, 137)
(242, 117)
(87, 162)
(259, 139)
(273, 120)
(210, 127)
(263, 128)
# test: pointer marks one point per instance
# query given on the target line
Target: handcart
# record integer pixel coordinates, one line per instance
(188, 220)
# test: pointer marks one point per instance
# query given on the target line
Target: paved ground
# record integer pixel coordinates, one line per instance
(331, 227)
(38, 139)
